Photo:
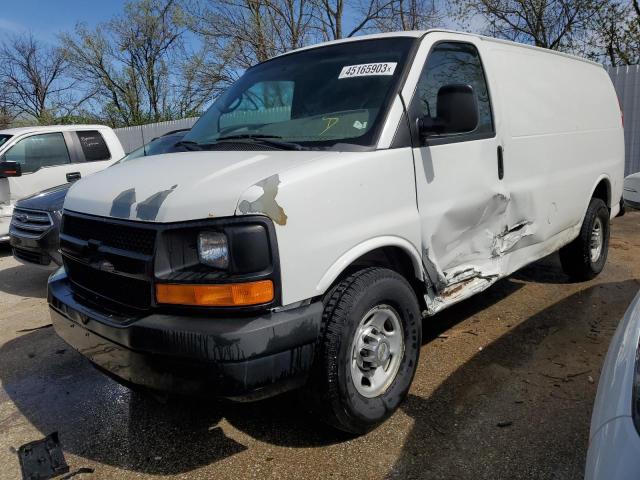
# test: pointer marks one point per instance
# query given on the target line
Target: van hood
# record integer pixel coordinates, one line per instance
(182, 186)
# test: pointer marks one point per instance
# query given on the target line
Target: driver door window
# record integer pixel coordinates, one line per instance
(38, 151)
(453, 63)
(264, 102)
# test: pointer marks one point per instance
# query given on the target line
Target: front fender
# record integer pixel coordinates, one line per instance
(334, 271)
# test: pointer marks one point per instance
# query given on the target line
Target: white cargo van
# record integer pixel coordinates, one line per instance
(33, 159)
(331, 197)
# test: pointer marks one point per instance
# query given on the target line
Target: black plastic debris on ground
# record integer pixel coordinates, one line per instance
(42, 459)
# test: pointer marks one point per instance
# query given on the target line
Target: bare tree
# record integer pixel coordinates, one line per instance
(200, 81)
(294, 19)
(554, 24)
(98, 64)
(32, 77)
(241, 33)
(616, 35)
(407, 15)
(137, 64)
(7, 111)
(330, 17)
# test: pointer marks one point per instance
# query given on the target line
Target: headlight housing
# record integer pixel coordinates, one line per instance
(213, 249)
(233, 261)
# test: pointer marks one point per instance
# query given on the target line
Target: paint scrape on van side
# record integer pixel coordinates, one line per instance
(266, 203)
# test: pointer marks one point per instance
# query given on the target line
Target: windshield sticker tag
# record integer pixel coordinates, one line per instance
(359, 125)
(367, 70)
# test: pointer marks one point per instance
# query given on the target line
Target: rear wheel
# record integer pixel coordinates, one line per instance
(585, 257)
(368, 352)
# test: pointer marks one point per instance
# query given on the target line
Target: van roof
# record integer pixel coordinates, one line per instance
(421, 33)
(50, 128)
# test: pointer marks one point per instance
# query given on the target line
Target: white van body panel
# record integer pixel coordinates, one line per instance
(462, 227)
(340, 207)
(14, 188)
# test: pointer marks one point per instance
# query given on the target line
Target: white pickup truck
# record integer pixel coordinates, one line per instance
(33, 159)
(330, 199)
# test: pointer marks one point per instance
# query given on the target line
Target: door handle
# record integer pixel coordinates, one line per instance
(500, 163)
(73, 176)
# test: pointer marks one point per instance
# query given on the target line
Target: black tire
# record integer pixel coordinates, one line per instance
(332, 391)
(623, 208)
(576, 257)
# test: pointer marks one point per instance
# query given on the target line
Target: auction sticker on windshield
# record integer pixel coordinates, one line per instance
(368, 69)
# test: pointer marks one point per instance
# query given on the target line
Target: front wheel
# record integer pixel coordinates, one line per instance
(369, 350)
(584, 258)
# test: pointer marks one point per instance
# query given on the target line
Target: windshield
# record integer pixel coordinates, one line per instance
(164, 144)
(319, 98)
(4, 138)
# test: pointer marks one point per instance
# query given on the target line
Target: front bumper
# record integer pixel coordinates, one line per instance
(245, 358)
(43, 251)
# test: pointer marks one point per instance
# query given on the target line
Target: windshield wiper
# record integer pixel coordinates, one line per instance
(189, 145)
(270, 140)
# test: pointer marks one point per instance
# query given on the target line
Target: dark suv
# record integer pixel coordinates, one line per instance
(35, 224)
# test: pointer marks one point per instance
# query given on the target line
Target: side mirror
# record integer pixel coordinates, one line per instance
(10, 169)
(457, 112)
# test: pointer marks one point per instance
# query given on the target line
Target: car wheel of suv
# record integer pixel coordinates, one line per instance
(368, 350)
(584, 258)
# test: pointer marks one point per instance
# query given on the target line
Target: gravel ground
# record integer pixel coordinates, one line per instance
(504, 389)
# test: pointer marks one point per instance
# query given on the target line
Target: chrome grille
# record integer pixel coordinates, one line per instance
(30, 223)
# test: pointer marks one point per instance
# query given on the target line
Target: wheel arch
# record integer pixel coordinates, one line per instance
(392, 252)
(602, 190)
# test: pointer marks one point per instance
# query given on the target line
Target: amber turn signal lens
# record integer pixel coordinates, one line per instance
(226, 295)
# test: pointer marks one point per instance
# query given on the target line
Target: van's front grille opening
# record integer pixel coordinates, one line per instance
(124, 290)
(109, 259)
(116, 235)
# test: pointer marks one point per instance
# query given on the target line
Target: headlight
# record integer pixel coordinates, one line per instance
(228, 262)
(213, 249)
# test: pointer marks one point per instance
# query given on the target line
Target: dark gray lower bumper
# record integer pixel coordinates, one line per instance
(41, 251)
(242, 357)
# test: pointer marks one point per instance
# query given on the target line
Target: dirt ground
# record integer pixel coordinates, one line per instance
(504, 389)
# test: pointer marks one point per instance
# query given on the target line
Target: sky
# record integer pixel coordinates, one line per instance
(46, 18)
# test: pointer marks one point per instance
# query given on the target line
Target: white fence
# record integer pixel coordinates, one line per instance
(134, 137)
